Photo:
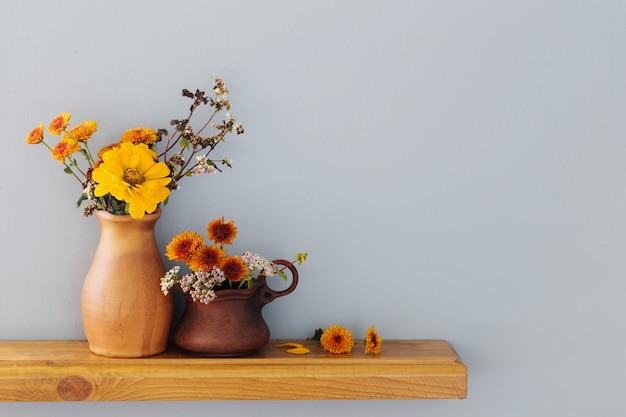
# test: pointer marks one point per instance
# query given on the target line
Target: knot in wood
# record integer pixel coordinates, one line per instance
(74, 388)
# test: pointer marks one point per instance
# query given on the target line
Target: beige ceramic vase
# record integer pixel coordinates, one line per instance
(124, 312)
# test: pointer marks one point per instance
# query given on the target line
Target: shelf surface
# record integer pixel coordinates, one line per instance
(68, 371)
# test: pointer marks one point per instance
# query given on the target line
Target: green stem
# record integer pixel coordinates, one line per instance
(66, 165)
(89, 155)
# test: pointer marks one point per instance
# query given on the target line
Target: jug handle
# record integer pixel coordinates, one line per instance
(267, 294)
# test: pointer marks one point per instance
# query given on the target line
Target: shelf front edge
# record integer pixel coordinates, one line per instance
(67, 371)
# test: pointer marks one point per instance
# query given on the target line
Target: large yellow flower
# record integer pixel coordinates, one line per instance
(131, 173)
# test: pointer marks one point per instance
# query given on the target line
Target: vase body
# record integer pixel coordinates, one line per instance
(232, 324)
(124, 312)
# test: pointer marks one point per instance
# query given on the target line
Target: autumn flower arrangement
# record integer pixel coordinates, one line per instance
(211, 267)
(132, 176)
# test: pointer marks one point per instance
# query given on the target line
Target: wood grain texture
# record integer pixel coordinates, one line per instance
(68, 371)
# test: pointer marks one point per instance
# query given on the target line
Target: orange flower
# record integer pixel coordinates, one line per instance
(206, 257)
(222, 233)
(65, 148)
(140, 135)
(183, 245)
(83, 131)
(59, 123)
(90, 169)
(35, 136)
(107, 148)
(337, 339)
(234, 269)
(373, 342)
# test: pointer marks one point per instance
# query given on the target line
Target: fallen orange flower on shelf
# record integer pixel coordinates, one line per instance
(337, 339)
(373, 341)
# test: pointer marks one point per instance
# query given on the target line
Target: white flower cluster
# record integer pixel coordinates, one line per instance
(204, 166)
(199, 285)
(258, 262)
(170, 279)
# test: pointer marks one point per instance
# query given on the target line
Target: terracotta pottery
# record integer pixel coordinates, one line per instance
(124, 312)
(231, 324)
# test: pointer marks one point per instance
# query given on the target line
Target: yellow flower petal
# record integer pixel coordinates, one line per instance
(293, 345)
(298, 351)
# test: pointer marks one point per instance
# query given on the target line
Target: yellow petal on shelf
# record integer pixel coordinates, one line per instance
(298, 351)
(293, 345)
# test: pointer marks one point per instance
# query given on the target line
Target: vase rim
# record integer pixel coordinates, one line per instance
(126, 217)
(228, 294)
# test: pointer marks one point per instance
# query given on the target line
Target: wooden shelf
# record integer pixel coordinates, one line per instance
(68, 371)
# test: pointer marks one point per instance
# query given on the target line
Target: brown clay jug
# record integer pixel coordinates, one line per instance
(124, 312)
(231, 324)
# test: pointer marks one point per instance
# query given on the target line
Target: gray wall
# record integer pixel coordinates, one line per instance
(455, 170)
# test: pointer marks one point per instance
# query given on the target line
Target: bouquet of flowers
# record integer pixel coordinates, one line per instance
(211, 268)
(133, 176)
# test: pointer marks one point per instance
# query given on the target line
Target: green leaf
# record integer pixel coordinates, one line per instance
(184, 142)
(82, 198)
(283, 275)
(301, 257)
(317, 336)
(116, 206)
(67, 170)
